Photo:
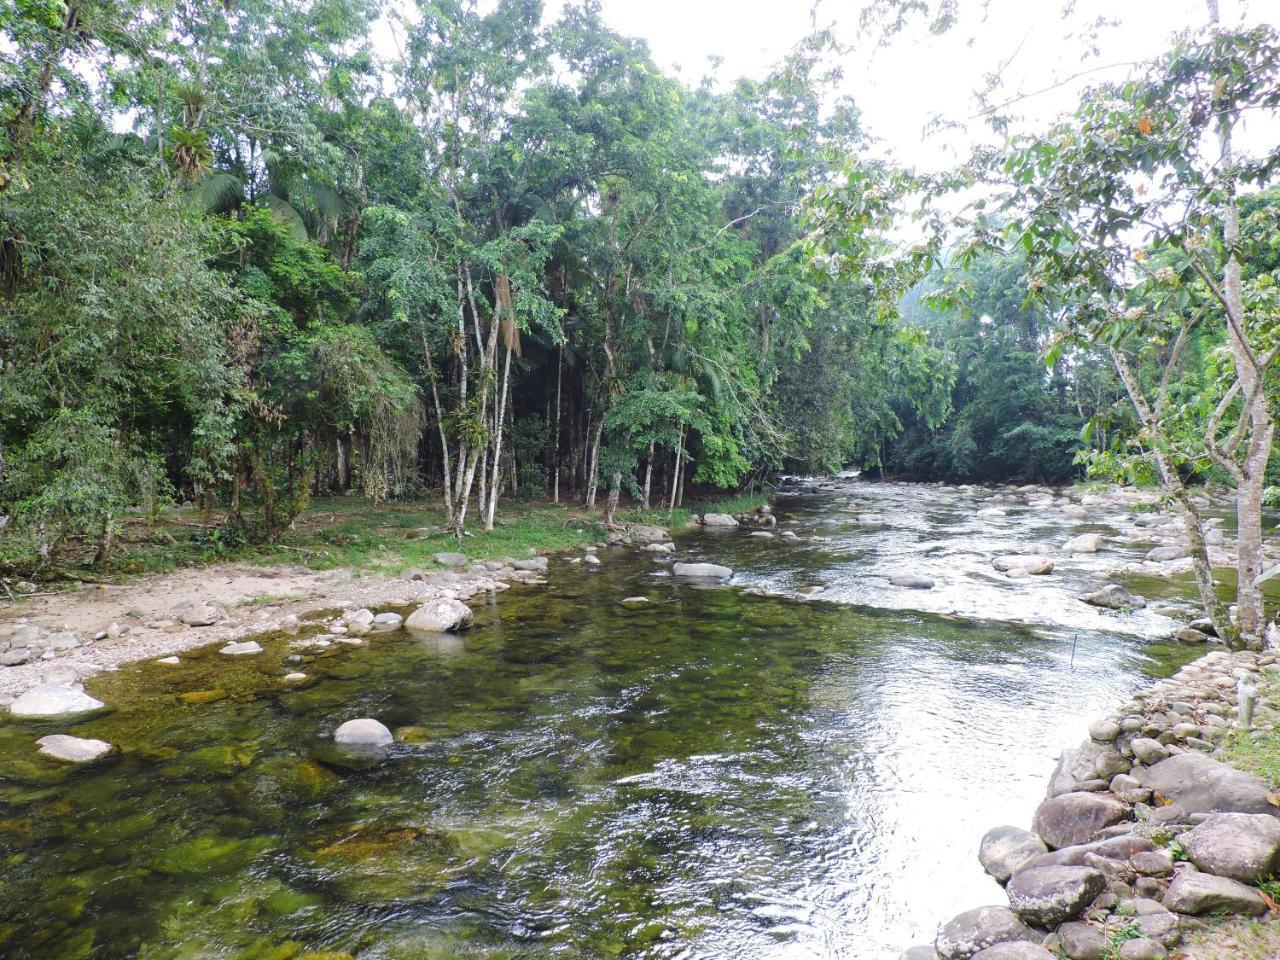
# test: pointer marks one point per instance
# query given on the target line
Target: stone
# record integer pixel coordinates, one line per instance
(1195, 893)
(19, 655)
(1190, 635)
(1082, 941)
(1076, 818)
(1152, 863)
(1104, 731)
(245, 648)
(363, 732)
(1033, 564)
(761, 534)
(704, 571)
(53, 700)
(974, 930)
(294, 677)
(1085, 543)
(442, 615)
(1114, 597)
(1014, 951)
(911, 581)
(919, 953)
(450, 558)
(1165, 554)
(73, 749)
(1242, 846)
(1142, 948)
(634, 601)
(1163, 927)
(643, 533)
(200, 615)
(1109, 764)
(1047, 896)
(387, 621)
(531, 564)
(591, 561)
(1148, 751)
(1005, 850)
(1196, 783)
(1073, 510)
(1129, 789)
(170, 661)
(718, 520)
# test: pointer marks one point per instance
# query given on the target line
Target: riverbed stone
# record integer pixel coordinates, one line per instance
(719, 520)
(48, 700)
(386, 621)
(1014, 951)
(1148, 751)
(1163, 927)
(1076, 818)
(363, 732)
(1114, 597)
(441, 615)
(1142, 948)
(1104, 731)
(911, 581)
(1242, 846)
(1047, 896)
(702, 571)
(1034, 564)
(1004, 850)
(1196, 783)
(200, 615)
(450, 558)
(1084, 543)
(974, 930)
(73, 749)
(1167, 553)
(1196, 893)
(919, 953)
(1152, 863)
(245, 648)
(1082, 941)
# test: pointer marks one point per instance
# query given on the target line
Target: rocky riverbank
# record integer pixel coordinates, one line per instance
(1143, 835)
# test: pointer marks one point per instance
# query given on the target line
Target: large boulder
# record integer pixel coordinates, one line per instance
(442, 615)
(1075, 818)
(1048, 896)
(49, 700)
(1196, 893)
(1197, 783)
(702, 571)
(59, 746)
(1005, 850)
(1114, 597)
(718, 520)
(974, 930)
(363, 732)
(1242, 846)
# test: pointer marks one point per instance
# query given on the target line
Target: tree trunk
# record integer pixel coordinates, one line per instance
(675, 475)
(497, 442)
(555, 484)
(593, 467)
(648, 475)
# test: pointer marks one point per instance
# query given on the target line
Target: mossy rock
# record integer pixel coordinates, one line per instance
(208, 853)
(202, 696)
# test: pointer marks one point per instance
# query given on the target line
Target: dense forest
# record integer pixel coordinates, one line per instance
(256, 252)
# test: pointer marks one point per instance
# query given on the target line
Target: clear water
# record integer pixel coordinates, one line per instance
(718, 774)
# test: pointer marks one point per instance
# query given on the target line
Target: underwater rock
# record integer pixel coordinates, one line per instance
(243, 649)
(170, 661)
(49, 700)
(363, 732)
(73, 749)
(441, 615)
(634, 601)
(387, 621)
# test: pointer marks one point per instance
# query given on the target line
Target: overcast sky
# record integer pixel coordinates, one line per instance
(900, 87)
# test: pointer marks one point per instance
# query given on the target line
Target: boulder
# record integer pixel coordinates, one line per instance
(1048, 896)
(1114, 597)
(1242, 846)
(1005, 850)
(73, 749)
(718, 520)
(49, 700)
(1142, 948)
(1083, 941)
(1073, 510)
(1163, 927)
(642, 533)
(531, 564)
(1148, 751)
(1033, 564)
(1165, 554)
(1152, 863)
(363, 732)
(974, 930)
(911, 581)
(1085, 543)
(200, 615)
(702, 571)
(1196, 893)
(1196, 783)
(1014, 951)
(1119, 849)
(442, 615)
(1104, 731)
(387, 621)
(245, 648)
(450, 558)
(1075, 818)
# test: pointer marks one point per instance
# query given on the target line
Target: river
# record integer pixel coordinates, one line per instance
(720, 773)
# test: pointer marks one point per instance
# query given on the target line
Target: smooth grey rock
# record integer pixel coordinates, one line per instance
(1242, 846)
(1114, 597)
(532, 564)
(16, 656)
(1196, 893)
(1196, 783)
(53, 700)
(363, 732)
(1082, 941)
(450, 558)
(73, 749)
(1085, 543)
(244, 648)
(1005, 850)
(702, 571)
(919, 953)
(387, 621)
(1163, 927)
(1033, 564)
(911, 581)
(718, 520)
(1014, 951)
(200, 615)
(1076, 818)
(442, 615)
(1047, 896)
(1164, 554)
(1148, 751)
(975, 930)
(1152, 863)
(1104, 731)
(1190, 635)
(1143, 948)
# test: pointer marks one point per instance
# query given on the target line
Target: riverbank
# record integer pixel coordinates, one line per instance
(1159, 835)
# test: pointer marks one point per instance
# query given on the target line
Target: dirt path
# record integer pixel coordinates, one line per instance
(249, 600)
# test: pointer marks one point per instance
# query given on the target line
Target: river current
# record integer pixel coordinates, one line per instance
(723, 772)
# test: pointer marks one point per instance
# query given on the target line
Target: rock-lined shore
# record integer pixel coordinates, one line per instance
(1143, 833)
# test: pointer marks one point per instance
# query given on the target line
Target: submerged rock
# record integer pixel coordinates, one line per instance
(73, 749)
(243, 649)
(53, 700)
(441, 615)
(703, 571)
(363, 732)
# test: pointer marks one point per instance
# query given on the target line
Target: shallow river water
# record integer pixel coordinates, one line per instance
(719, 774)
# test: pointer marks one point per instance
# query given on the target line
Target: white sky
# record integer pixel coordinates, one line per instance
(901, 87)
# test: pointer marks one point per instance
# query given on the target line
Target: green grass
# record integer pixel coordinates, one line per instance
(1258, 752)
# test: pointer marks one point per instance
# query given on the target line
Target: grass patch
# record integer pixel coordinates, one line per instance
(1259, 751)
